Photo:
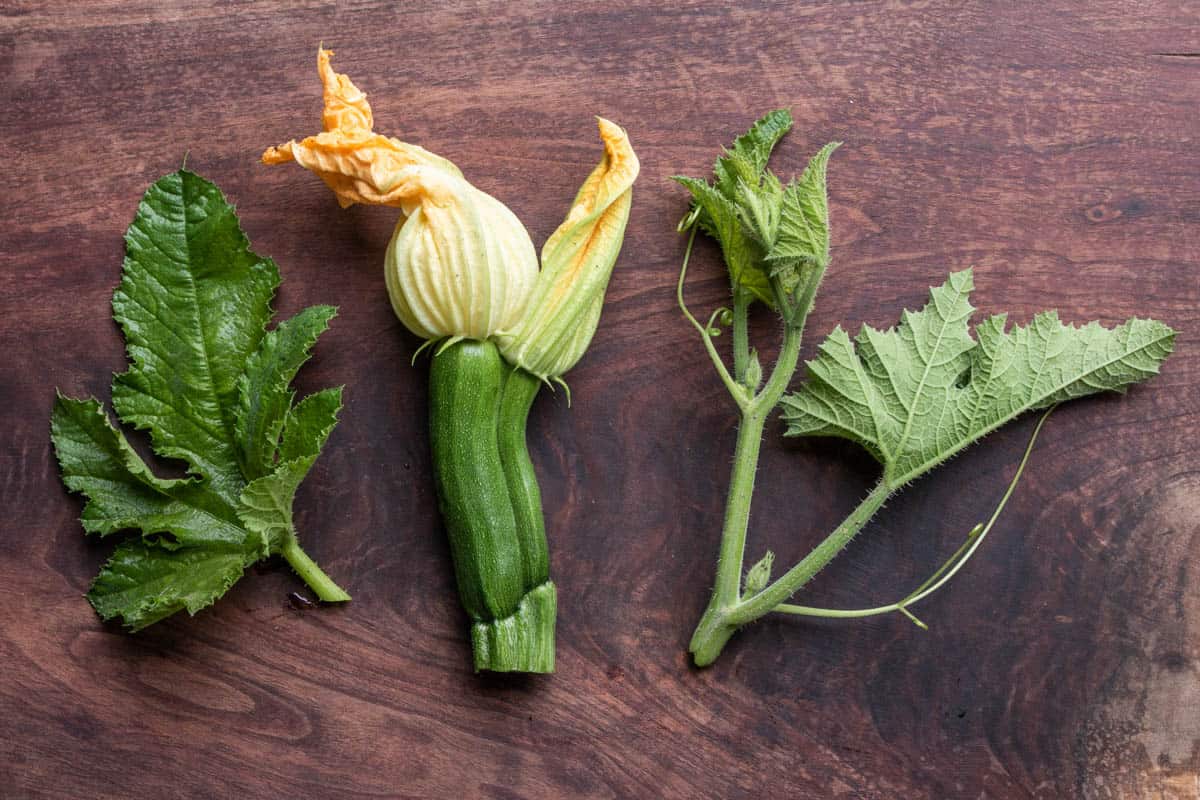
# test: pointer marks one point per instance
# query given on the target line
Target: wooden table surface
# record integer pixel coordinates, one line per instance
(1055, 149)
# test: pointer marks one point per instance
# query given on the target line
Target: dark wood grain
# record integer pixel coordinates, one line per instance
(1051, 146)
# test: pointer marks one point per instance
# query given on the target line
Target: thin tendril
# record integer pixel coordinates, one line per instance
(735, 390)
(687, 256)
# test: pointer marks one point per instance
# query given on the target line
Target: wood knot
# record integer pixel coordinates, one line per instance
(1114, 210)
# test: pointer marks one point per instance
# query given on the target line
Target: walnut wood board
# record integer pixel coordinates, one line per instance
(1054, 147)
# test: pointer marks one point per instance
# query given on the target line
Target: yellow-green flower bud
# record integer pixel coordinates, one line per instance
(460, 264)
(577, 262)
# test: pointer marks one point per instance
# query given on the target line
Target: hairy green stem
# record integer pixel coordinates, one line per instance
(741, 334)
(745, 465)
(785, 366)
(791, 581)
(737, 508)
(712, 632)
(313, 575)
(723, 617)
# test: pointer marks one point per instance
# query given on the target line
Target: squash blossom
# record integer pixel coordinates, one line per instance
(462, 271)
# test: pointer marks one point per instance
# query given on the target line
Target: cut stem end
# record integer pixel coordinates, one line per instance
(523, 642)
(710, 637)
(321, 584)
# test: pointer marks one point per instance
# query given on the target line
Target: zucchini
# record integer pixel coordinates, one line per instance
(491, 505)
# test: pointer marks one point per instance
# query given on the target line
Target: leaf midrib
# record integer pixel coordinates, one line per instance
(226, 419)
(924, 375)
(916, 472)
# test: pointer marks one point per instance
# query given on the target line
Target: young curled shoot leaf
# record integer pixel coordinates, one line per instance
(462, 273)
(211, 385)
(913, 396)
